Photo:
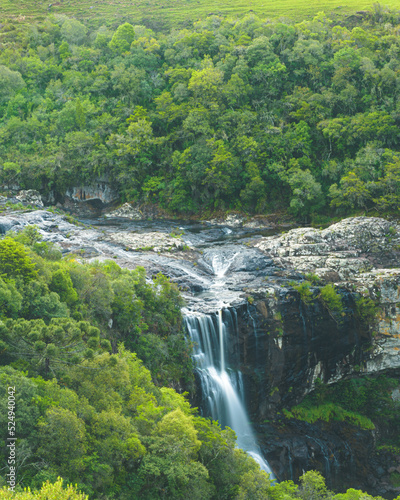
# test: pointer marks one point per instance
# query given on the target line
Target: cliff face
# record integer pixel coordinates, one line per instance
(286, 343)
(91, 197)
(306, 340)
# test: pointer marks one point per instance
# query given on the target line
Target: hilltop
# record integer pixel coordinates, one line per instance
(164, 14)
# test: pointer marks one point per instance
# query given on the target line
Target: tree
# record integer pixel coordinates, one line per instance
(222, 170)
(10, 299)
(47, 347)
(49, 491)
(205, 84)
(10, 83)
(116, 441)
(312, 486)
(122, 38)
(352, 494)
(255, 485)
(307, 192)
(63, 440)
(170, 464)
(352, 193)
(73, 32)
(61, 283)
(15, 261)
(39, 302)
(389, 187)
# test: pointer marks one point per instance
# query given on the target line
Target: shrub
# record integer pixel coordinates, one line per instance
(305, 292)
(366, 309)
(331, 299)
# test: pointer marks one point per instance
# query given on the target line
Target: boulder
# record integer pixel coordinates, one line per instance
(30, 197)
(6, 224)
(126, 211)
(346, 249)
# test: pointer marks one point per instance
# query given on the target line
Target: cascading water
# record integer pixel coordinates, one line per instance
(219, 384)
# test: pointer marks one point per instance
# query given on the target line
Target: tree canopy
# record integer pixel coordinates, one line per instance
(227, 114)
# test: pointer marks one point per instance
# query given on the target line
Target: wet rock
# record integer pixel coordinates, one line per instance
(339, 451)
(230, 259)
(231, 220)
(7, 224)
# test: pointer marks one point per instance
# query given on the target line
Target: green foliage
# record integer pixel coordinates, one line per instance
(10, 83)
(62, 341)
(313, 278)
(73, 32)
(61, 283)
(305, 293)
(15, 261)
(122, 38)
(366, 310)
(364, 402)
(312, 486)
(228, 114)
(49, 491)
(330, 412)
(298, 121)
(254, 484)
(331, 299)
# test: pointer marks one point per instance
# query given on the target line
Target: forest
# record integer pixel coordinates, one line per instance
(232, 114)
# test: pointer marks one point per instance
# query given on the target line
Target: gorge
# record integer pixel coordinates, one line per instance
(261, 344)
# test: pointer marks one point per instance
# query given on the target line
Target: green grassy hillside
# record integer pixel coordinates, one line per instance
(167, 13)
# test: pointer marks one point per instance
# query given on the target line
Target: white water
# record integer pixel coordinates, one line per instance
(220, 264)
(220, 386)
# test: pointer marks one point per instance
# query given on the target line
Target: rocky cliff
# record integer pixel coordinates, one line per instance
(289, 340)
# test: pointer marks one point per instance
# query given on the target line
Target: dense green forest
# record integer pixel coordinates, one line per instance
(226, 114)
(229, 114)
(88, 409)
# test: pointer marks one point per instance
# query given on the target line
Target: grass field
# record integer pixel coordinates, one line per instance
(162, 14)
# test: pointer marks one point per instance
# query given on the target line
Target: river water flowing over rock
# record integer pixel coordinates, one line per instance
(258, 346)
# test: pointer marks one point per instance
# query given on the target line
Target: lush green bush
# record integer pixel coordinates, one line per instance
(331, 299)
(329, 412)
(366, 310)
(365, 402)
(54, 491)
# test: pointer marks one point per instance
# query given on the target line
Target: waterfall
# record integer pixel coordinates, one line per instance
(220, 385)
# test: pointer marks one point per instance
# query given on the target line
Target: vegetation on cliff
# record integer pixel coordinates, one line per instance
(365, 402)
(226, 114)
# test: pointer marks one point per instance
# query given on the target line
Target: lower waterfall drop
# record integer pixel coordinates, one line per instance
(220, 386)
